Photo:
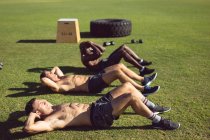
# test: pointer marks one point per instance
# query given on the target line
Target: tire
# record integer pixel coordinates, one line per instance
(110, 27)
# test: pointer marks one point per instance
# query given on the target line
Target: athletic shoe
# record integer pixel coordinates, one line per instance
(146, 71)
(145, 63)
(166, 124)
(150, 90)
(159, 109)
(148, 80)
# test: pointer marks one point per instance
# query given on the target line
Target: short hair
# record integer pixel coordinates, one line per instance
(29, 106)
(43, 74)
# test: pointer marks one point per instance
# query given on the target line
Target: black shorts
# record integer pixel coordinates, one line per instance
(101, 112)
(104, 63)
(96, 84)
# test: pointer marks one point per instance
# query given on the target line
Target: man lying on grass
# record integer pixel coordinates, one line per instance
(99, 114)
(57, 82)
(91, 57)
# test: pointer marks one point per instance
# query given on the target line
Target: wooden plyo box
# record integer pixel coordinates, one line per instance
(68, 30)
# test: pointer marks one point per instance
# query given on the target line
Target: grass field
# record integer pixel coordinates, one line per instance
(176, 35)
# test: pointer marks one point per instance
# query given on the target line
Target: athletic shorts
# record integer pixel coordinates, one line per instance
(101, 112)
(96, 84)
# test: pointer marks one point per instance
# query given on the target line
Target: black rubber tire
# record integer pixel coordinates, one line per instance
(110, 27)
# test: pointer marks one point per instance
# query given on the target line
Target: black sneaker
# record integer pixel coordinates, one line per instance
(166, 124)
(159, 109)
(146, 71)
(145, 63)
(148, 80)
(150, 90)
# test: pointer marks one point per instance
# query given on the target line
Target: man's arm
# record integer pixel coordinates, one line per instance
(41, 126)
(91, 57)
(57, 71)
(51, 84)
(101, 48)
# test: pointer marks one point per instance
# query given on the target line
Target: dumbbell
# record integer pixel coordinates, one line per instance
(1, 65)
(135, 41)
(109, 43)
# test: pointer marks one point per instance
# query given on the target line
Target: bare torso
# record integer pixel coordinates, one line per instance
(90, 63)
(71, 114)
(73, 83)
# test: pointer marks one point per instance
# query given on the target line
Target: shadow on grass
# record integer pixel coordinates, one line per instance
(82, 34)
(65, 69)
(86, 35)
(11, 123)
(32, 89)
(86, 128)
(35, 89)
(37, 41)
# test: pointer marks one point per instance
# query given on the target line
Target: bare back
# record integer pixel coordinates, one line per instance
(71, 114)
(73, 83)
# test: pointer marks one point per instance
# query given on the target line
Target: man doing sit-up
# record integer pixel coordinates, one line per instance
(91, 57)
(99, 114)
(58, 82)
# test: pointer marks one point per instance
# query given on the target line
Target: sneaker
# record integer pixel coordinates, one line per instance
(159, 109)
(166, 124)
(145, 63)
(150, 90)
(148, 80)
(146, 71)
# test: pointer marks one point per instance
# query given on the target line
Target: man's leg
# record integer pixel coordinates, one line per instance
(126, 95)
(123, 74)
(126, 70)
(120, 53)
(131, 52)
(111, 76)
(129, 88)
(136, 57)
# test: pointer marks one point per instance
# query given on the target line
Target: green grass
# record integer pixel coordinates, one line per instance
(176, 37)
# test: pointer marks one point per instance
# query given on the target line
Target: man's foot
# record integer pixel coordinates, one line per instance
(150, 90)
(145, 63)
(146, 71)
(166, 124)
(148, 80)
(159, 109)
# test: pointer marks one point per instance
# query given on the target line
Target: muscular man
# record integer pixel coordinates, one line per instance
(99, 114)
(91, 53)
(57, 82)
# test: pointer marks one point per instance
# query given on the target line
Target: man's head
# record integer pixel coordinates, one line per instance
(39, 106)
(52, 76)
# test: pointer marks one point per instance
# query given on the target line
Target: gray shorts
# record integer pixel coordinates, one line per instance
(101, 112)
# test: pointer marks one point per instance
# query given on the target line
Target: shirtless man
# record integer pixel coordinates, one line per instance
(57, 82)
(91, 53)
(99, 114)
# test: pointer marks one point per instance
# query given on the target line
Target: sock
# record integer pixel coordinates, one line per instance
(142, 69)
(155, 118)
(148, 103)
(141, 61)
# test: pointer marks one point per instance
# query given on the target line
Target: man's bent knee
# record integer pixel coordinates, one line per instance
(119, 66)
(117, 72)
(128, 86)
